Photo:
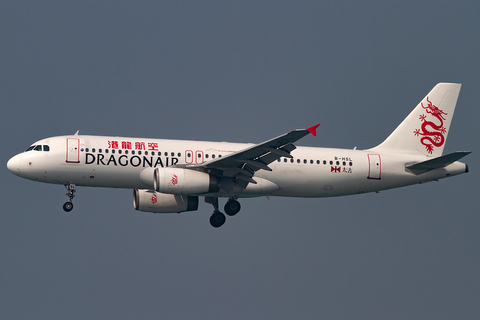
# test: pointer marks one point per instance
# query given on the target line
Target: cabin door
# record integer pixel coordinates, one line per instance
(73, 150)
(374, 166)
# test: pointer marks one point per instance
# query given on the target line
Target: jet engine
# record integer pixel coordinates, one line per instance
(151, 201)
(184, 181)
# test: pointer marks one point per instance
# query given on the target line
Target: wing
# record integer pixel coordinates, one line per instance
(243, 164)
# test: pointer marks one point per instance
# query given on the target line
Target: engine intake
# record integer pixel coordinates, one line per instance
(152, 201)
(184, 181)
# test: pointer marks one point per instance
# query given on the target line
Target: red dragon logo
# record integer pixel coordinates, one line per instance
(153, 199)
(174, 179)
(431, 138)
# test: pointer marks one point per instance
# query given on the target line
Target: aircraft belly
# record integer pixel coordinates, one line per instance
(82, 175)
(314, 181)
(330, 180)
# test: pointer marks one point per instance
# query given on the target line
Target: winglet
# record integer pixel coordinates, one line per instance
(313, 130)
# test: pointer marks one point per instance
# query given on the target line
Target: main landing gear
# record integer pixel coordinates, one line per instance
(68, 206)
(232, 207)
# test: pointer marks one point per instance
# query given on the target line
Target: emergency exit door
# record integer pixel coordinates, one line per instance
(374, 166)
(73, 146)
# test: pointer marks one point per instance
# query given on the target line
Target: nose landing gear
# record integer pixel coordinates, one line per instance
(68, 206)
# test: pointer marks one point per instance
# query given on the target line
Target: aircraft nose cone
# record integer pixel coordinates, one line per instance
(14, 165)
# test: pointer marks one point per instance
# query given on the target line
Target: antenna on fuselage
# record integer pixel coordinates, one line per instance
(76, 133)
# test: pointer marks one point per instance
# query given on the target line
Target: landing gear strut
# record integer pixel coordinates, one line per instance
(68, 206)
(218, 219)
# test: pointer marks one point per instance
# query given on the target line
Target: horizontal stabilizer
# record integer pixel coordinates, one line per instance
(436, 163)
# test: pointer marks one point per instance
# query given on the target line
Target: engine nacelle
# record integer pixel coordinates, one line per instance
(151, 201)
(184, 181)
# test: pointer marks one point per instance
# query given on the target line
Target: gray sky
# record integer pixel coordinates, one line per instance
(240, 72)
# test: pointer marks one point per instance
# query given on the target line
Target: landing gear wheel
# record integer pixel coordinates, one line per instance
(232, 207)
(68, 206)
(217, 219)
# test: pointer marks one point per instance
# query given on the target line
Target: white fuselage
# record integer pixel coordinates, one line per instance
(118, 162)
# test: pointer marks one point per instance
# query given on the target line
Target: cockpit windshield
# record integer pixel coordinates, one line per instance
(38, 147)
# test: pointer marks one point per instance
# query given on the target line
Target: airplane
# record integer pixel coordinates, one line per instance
(169, 176)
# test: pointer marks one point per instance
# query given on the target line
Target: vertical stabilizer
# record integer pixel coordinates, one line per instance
(425, 129)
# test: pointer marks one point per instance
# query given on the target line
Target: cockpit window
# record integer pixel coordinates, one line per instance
(38, 148)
